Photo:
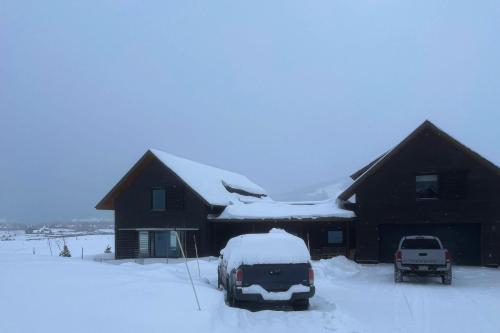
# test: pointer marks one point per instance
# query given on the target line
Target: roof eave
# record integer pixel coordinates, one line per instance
(284, 219)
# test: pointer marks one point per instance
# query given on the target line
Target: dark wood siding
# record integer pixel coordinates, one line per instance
(469, 193)
(314, 233)
(126, 244)
(185, 209)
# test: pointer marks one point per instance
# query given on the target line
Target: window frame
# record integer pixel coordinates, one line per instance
(152, 201)
(438, 183)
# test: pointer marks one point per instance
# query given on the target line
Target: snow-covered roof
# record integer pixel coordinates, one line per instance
(275, 247)
(317, 192)
(269, 209)
(216, 186)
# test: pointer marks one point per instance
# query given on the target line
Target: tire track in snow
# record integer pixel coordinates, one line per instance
(402, 309)
(414, 299)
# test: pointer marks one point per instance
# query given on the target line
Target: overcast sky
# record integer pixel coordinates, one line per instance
(288, 93)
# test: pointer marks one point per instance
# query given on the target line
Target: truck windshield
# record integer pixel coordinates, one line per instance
(416, 244)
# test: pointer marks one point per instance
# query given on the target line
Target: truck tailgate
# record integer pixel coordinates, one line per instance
(276, 277)
(423, 257)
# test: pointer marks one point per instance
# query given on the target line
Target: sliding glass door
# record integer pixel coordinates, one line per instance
(166, 245)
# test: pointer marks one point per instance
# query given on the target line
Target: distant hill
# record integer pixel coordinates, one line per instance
(316, 192)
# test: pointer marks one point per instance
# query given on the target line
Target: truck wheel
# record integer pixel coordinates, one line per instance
(447, 278)
(231, 299)
(301, 305)
(398, 277)
(227, 295)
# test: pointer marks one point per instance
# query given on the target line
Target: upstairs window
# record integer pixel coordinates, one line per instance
(427, 186)
(158, 199)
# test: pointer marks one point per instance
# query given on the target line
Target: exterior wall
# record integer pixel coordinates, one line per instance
(133, 210)
(314, 234)
(388, 196)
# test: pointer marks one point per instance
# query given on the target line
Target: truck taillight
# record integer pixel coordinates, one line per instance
(239, 277)
(398, 255)
(447, 256)
(311, 276)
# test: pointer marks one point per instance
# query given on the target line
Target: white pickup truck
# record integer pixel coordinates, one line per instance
(422, 256)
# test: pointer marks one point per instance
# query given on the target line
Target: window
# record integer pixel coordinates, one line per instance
(335, 237)
(143, 244)
(158, 199)
(427, 186)
(420, 244)
(173, 239)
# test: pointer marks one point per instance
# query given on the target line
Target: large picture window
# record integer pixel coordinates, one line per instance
(427, 186)
(158, 199)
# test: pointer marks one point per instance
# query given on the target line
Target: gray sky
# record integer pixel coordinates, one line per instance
(288, 93)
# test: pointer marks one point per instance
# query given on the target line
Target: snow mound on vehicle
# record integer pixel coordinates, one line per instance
(275, 247)
(337, 267)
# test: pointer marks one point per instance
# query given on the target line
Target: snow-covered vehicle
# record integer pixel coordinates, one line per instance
(422, 256)
(273, 267)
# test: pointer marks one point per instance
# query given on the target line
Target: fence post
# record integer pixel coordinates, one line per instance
(50, 246)
(167, 243)
(82, 253)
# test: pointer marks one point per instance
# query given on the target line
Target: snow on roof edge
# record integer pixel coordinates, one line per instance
(262, 210)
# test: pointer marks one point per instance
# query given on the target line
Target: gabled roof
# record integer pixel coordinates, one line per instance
(215, 186)
(361, 171)
(361, 175)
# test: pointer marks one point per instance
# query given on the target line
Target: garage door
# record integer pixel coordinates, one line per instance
(462, 240)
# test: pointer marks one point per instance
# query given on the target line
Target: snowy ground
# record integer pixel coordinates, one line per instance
(43, 293)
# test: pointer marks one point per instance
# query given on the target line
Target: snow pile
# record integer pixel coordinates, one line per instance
(209, 181)
(273, 295)
(275, 247)
(284, 210)
(337, 267)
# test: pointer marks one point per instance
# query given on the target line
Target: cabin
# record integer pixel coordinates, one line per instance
(163, 197)
(428, 184)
